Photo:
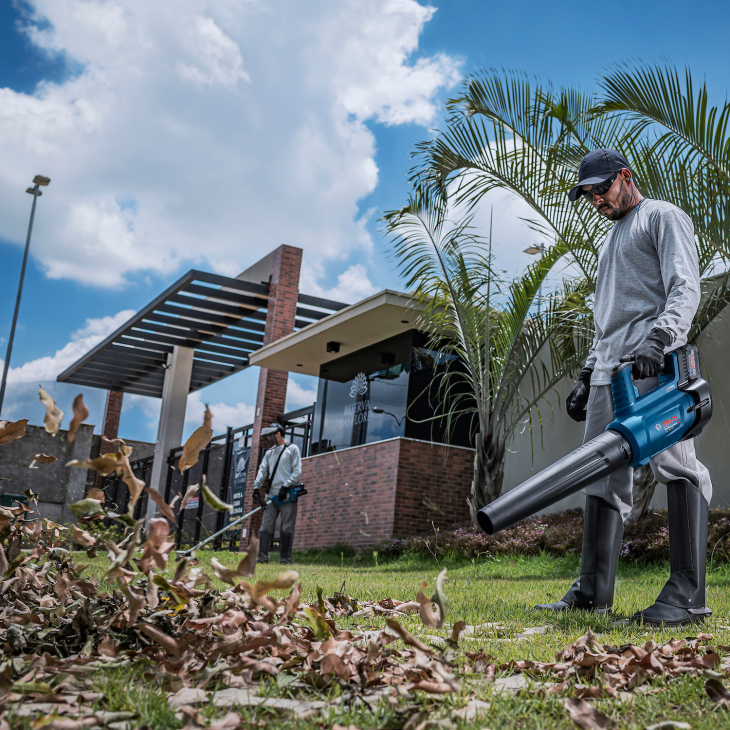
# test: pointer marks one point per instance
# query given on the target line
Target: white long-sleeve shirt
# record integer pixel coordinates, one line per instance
(288, 471)
(648, 276)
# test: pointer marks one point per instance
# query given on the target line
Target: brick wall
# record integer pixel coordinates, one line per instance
(351, 496)
(434, 482)
(369, 493)
(271, 395)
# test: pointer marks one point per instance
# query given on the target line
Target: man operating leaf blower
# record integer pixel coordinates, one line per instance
(647, 292)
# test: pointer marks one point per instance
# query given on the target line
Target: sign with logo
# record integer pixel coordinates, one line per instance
(193, 503)
(239, 475)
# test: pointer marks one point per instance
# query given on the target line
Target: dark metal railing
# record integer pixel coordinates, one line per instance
(222, 463)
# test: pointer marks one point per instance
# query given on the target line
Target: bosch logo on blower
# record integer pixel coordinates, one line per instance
(670, 423)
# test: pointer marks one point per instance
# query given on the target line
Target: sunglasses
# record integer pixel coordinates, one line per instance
(599, 189)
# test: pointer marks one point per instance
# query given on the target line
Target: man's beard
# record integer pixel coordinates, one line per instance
(614, 213)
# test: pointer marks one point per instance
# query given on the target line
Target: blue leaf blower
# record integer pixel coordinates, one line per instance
(678, 408)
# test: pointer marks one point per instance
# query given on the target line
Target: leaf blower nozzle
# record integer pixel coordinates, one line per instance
(596, 458)
(677, 408)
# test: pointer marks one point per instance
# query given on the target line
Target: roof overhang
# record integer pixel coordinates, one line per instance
(222, 319)
(360, 325)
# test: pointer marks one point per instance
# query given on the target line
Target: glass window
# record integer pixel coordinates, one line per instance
(347, 417)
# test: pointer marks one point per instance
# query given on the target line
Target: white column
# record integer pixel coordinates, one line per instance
(172, 416)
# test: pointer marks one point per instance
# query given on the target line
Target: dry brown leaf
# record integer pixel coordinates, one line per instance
(292, 601)
(198, 440)
(134, 485)
(247, 566)
(96, 493)
(228, 575)
(283, 581)
(107, 647)
(151, 592)
(433, 687)
(189, 494)
(119, 444)
(104, 465)
(407, 637)
(54, 415)
(44, 458)
(586, 716)
(459, 626)
(428, 610)
(11, 430)
(230, 722)
(81, 413)
(717, 692)
(82, 537)
(169, 644)
(158, 499)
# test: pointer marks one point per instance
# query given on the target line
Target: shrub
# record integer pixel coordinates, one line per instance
(559, 534)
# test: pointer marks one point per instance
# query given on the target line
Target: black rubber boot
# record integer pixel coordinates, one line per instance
(682, 600)
(603, 530)
(286, 542)
(265, 541)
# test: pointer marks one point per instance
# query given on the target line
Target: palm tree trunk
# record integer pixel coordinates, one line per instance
(643, 491)
(488, 475)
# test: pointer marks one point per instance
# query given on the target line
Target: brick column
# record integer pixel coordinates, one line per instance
(271, 396)
(112, 414)
(109, 426)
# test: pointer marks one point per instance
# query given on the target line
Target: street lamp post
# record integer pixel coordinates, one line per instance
(535, 250)
(35, 192)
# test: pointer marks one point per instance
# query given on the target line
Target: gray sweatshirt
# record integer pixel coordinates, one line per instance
(648, 276)
(288, 471)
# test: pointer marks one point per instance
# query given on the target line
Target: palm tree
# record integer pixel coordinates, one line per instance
(498, 378)
(505, 132)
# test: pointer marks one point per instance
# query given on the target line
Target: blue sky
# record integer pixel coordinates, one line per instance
(208, 137)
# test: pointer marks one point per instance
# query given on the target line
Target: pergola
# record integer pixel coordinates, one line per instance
(221, 319)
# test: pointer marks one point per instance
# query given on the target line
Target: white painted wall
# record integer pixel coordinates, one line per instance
(560, 434)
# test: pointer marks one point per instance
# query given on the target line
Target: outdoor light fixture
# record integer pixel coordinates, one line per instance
(535, 250)
(333, 347)
(378, 409)
(387, 358)
(35, 191)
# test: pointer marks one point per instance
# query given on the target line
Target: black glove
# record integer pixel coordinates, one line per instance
(577, 399)
(648, 357)
(257, 498)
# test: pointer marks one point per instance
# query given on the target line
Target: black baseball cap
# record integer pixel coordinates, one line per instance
(598, 166)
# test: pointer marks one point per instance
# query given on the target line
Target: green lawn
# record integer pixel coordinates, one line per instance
(501, 591)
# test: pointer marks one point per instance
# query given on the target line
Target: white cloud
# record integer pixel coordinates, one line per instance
(207, 133)
(298, 396)
(82, 340)
(224, 414)
(353, 284)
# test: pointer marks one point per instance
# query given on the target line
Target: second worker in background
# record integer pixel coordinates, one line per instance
(280, 469)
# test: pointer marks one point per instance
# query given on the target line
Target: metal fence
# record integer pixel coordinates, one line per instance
(224, 462)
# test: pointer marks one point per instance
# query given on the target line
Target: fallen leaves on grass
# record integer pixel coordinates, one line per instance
(58, 628)
(627, 667)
